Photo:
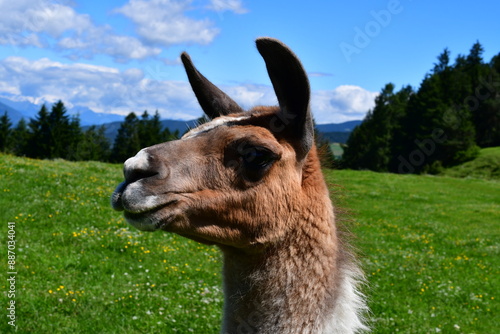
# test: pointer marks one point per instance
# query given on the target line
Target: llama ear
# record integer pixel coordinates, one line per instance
(213, 101)
(292, 90)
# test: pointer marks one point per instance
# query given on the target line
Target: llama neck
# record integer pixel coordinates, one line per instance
(299, 287)
(289, 287)
(286, 289)
(306, 283)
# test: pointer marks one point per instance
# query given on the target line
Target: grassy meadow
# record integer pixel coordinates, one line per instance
(429, 246)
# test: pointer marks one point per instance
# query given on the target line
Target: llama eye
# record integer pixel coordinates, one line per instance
(257, 157)
(250, 162)
(256, 161)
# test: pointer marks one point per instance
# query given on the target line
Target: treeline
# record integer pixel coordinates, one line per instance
(454, 112)
(55, 134)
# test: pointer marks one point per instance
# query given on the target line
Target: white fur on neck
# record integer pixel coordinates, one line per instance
(347, 316)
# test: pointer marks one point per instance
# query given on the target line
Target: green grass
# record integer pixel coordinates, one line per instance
(485, 166)
(430, 249)
(81, 269)
(429, 246)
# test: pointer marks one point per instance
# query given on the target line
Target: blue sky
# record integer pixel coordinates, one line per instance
(123, 55)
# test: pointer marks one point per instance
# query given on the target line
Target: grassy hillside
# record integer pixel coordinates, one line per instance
(429, 245)
(486, 166)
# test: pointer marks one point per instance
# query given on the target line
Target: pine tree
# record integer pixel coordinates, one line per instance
(59, 124)
(455, 108)
(164, 134)
(75, 136)
(475, 56)
(143, 129)
(20, 138)
(326, 157)
(438, 128)
(5, 132)
(398, 109)
(40, 138)
(94, 145)
(150, 129)
(487, 115)
(127, 142)
(167, 135)
(444, 60)
(371, 145)
(65, 132)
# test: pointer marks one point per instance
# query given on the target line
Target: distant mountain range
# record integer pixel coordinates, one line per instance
(14, 115)
(24, 109)
(17, 110)
(337, 133)
(340, 127)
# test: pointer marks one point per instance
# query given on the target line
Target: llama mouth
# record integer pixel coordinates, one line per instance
(149, 211)
(143, 211)
(134, 198)
(116, 197)
(152, 219)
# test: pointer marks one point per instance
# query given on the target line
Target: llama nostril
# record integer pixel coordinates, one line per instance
(139, 167)
(138, 174)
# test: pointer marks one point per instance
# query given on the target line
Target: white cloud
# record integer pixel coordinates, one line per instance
(100, 88)
(109, 90)
(57, 25)
(164, 22)
(344, 103)
(39, 16)
(249, 96)
(319, 74)
(235, 6)
(97, 40)
(50, 24)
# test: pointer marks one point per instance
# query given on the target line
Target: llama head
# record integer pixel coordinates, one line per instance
(235, 180)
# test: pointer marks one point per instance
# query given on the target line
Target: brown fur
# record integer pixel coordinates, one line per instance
(285, 269)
